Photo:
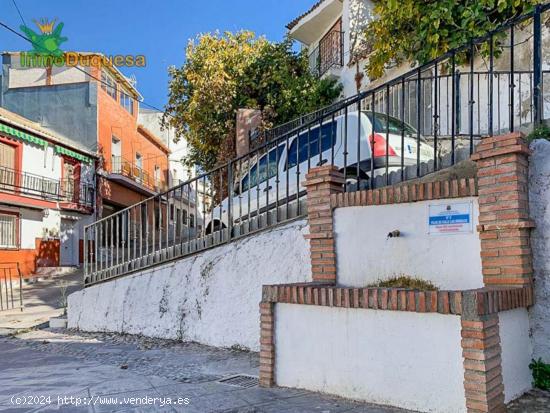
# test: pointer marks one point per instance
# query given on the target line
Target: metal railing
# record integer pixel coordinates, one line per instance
(427, 119)
(11, 286)
(131, 170)
(328, 54)
(37, 186)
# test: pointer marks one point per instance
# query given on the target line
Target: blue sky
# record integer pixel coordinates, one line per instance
(158, 29)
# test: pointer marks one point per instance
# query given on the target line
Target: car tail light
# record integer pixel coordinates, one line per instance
(379, 144)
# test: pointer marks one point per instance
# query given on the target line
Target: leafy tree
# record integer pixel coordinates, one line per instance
(420, 30)
(225, 72)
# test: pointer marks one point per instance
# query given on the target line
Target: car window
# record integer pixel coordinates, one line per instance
(383, 123)
(307, 144)
(267, 169)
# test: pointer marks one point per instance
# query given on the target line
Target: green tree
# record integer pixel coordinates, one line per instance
(420, 30)
(225, 72)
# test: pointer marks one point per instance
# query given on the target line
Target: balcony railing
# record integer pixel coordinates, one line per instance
(124, 167)
(328, 54)
(418, 123)
(37, 186)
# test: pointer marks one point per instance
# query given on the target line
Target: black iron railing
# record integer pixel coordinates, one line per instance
(427, 119)
(328, 54)
(135, 172)
(11, 286)
(37, 186)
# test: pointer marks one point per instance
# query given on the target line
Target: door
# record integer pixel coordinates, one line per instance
(116, 153)
(69, 243)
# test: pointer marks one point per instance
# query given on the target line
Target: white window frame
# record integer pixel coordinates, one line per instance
(15, 231)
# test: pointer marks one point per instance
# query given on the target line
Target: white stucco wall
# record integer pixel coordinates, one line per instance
(402, 359)
(211, 298)
(41, 161)
(365, 254)
(516, 352)
(31, 227)
(539, 206)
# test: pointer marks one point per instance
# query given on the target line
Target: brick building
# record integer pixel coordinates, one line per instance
(101, 116)
(47, 191)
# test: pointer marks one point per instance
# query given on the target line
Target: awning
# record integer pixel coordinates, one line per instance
(67, 152)
(16, 133)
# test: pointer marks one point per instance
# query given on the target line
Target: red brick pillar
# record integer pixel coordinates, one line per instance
(504, 223)
(481, 350)
(267, 345)
(321, 182)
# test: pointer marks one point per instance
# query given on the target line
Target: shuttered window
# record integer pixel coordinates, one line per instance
(8, 231)
(7, 166)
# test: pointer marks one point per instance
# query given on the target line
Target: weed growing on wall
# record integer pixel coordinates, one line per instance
(540, 132)
(405, 281)
(541, 374)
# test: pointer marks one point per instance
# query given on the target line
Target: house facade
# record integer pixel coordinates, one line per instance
(95, 106)
(47, 195)
(188, 205)
(331, 31)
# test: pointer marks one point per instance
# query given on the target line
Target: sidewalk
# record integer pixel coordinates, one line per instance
(41, 301)
(111, 369)
(116, 373)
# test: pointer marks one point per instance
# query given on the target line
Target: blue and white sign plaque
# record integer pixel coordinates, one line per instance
(451, 218)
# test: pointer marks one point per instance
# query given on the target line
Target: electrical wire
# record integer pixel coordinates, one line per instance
(5, 26)
(19, 11)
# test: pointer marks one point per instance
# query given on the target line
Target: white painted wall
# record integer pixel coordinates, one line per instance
(41, 161)
(36, 76)
(211, 298)
(516, 352)
(394, 358)
(30, 226)
(365, 254)
(539, 205)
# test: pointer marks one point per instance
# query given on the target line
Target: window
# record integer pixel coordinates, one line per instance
(157, 175)
(108, 84)
(307, 144)
(383, 123)
(191, 220)
(7, 166)
(71, 180)
(127, 102)
(268, 165)
(116, 151)
(184, 215)
(139, 161)
(8, 230)
(172, 212)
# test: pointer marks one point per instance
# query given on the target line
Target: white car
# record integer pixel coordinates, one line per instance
(277, 177)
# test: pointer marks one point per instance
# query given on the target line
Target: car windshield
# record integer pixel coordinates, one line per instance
(383, 123)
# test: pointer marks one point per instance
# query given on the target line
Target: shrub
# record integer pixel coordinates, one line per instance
(540, 132)
(404, 281)
(541, 374)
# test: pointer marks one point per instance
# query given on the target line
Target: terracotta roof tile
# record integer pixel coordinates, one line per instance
(294, 22)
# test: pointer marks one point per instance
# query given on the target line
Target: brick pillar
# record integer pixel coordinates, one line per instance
(482, 365)
(504, 210)
(267, 345)
(321, 182)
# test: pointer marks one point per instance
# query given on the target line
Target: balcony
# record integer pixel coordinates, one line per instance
(129, 174)
(329, 54)
(40, 187)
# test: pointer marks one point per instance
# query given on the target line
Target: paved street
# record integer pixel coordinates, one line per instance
(41, 300)
(106, 372)
(107, 366)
